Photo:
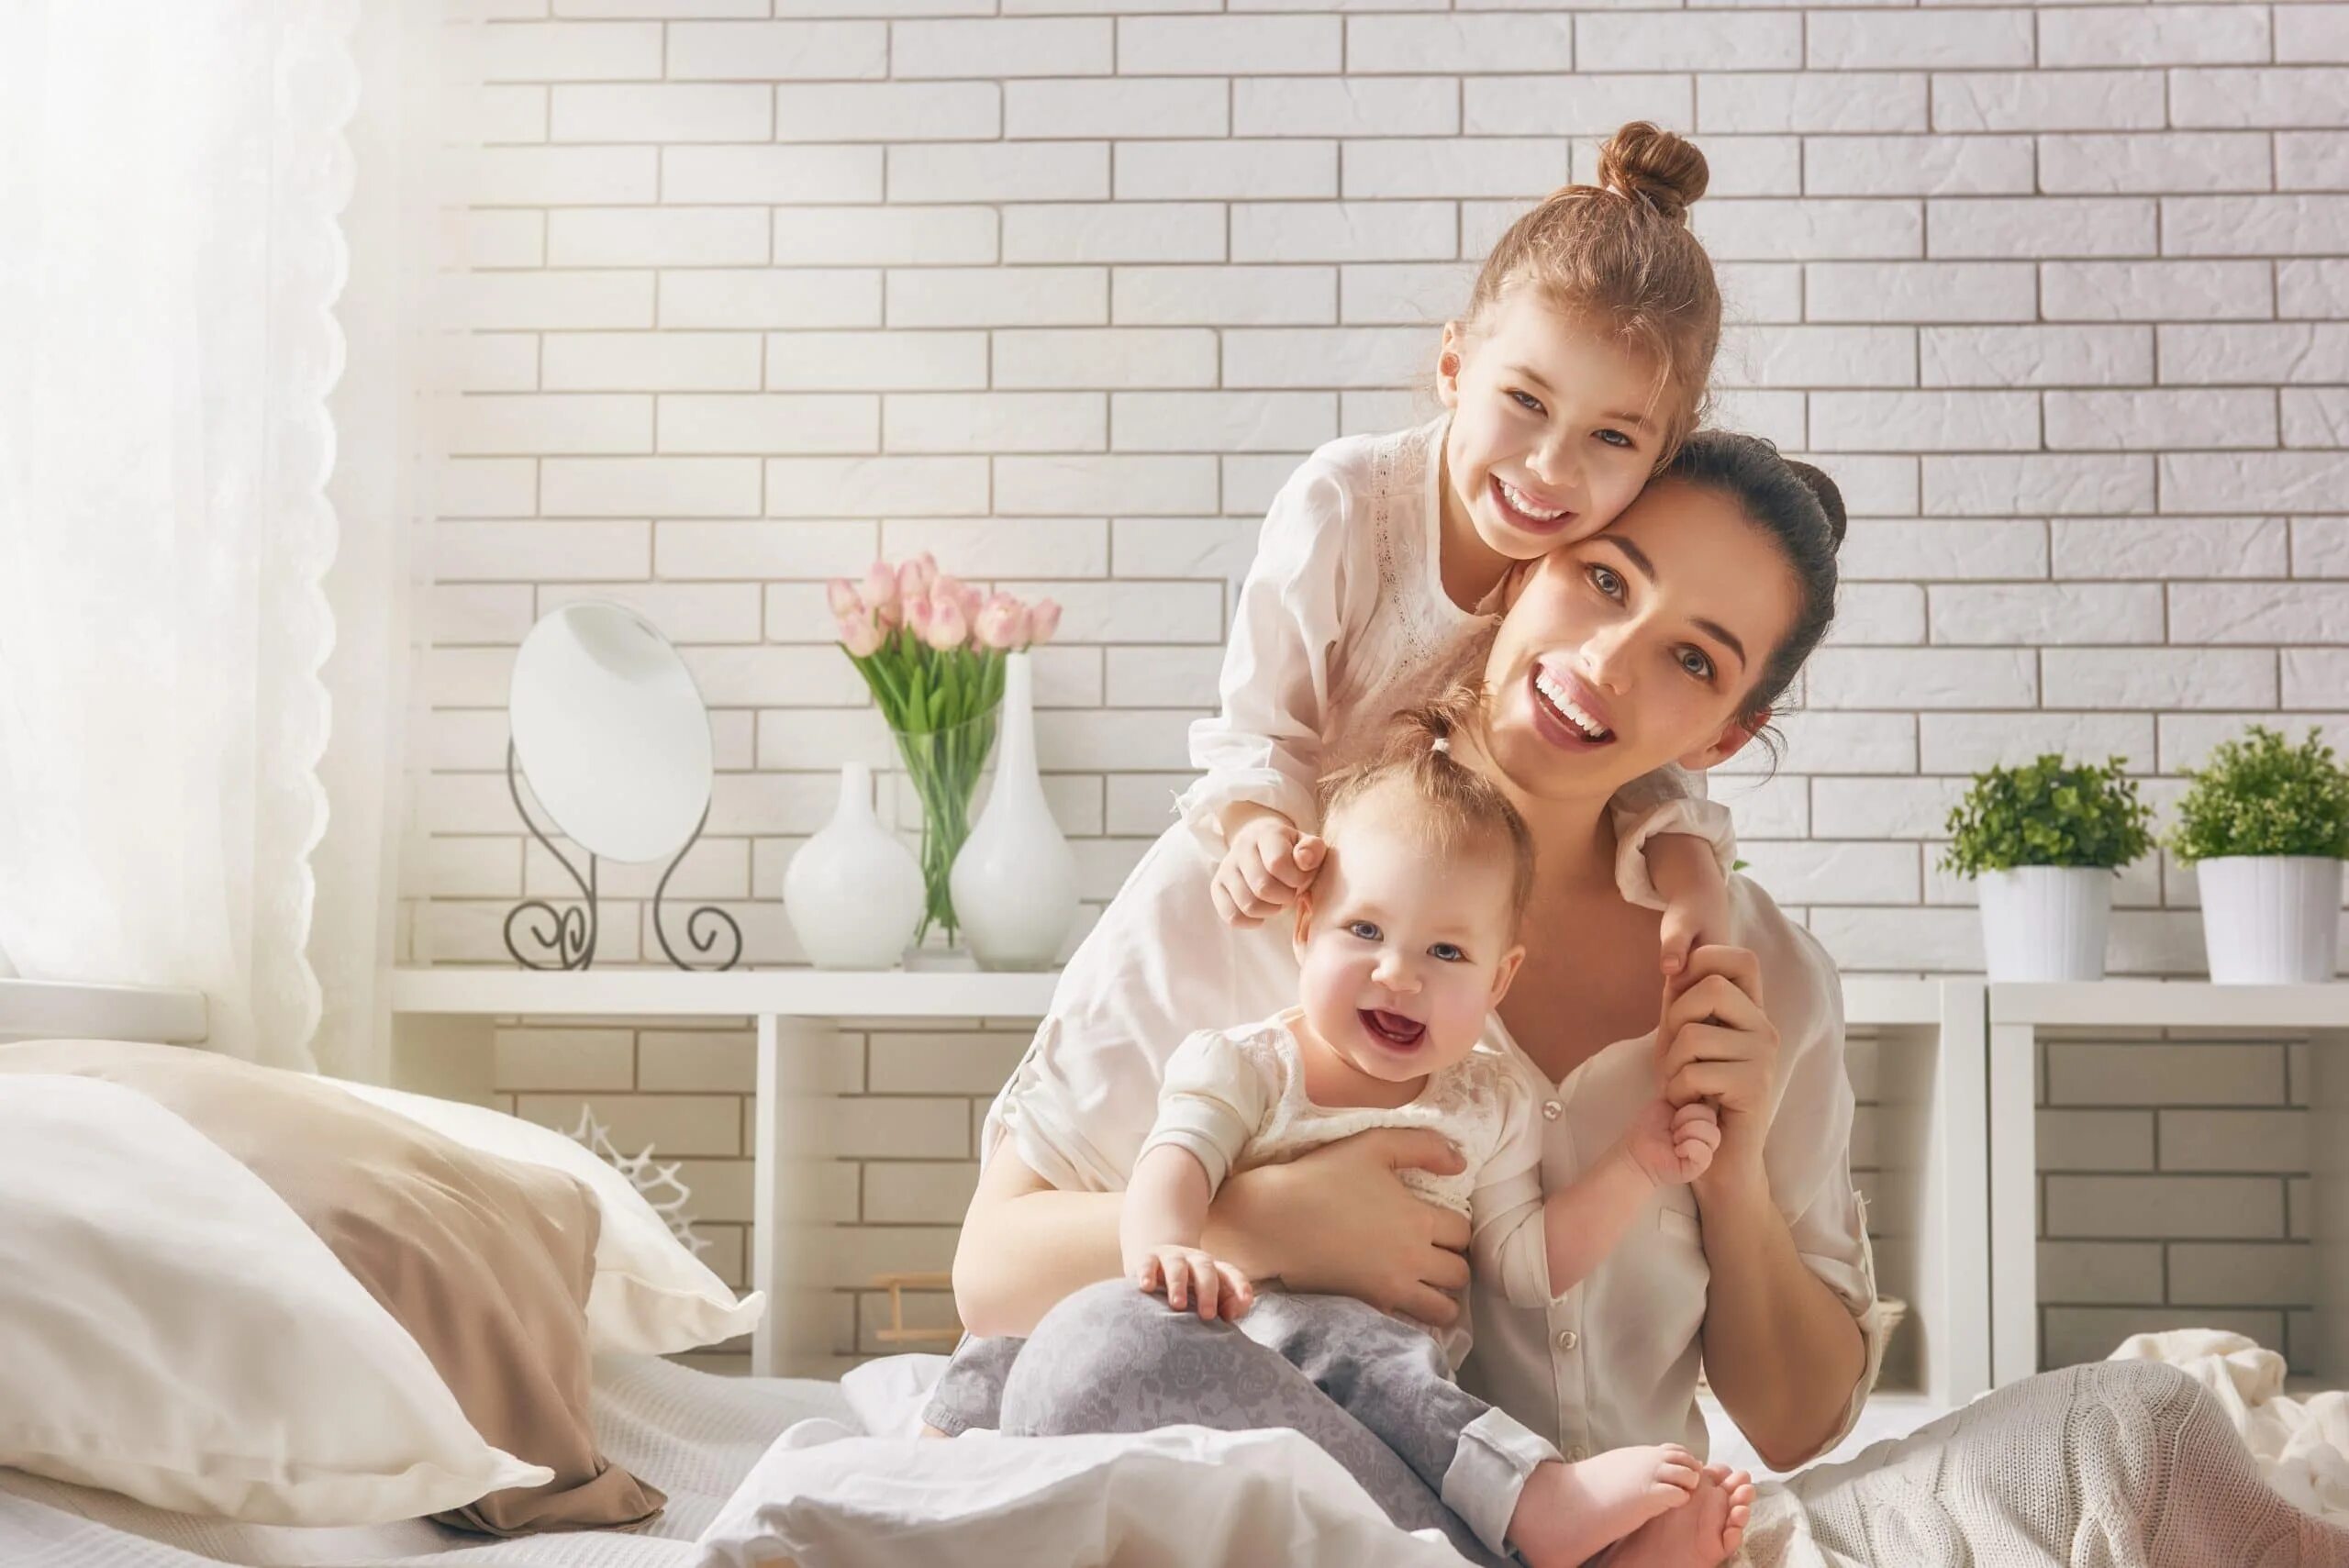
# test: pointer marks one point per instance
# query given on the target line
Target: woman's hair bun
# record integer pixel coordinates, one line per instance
(1830, 499)
(1648, 163)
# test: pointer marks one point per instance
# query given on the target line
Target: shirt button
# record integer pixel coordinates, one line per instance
(1551, 1110)
(1578, 1454)
(1568, 1338)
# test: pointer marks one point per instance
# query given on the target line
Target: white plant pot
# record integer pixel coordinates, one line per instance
(854, 892)
(2045, 922)
(2270, 919)
(1015, 881)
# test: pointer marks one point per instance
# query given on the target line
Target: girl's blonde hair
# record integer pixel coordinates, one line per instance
(1459, 811)
(1618, 257)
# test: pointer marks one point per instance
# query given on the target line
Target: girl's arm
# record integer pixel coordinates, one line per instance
(1674, 851)
(1337, 1221)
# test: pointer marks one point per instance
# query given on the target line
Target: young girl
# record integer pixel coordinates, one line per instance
(1405, 940)
(1577, 369)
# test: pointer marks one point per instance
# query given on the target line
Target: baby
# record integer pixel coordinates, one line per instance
(1407, 940)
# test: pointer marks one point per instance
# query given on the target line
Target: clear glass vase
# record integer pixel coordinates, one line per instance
(934, 799)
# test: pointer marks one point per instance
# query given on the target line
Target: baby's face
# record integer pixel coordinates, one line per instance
(1404, 952)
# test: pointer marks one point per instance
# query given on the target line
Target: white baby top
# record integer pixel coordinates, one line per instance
(1344, 622)
(1235, 1099)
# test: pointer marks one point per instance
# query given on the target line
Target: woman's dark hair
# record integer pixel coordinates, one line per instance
(1800, 509)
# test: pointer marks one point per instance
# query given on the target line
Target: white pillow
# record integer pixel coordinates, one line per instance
(651, 1296)
(176, 1333)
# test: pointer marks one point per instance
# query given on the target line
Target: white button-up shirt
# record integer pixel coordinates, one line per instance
(1613, 1361)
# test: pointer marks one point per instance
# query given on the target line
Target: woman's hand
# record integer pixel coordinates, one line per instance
(1339, 1221)
(1716, 1043)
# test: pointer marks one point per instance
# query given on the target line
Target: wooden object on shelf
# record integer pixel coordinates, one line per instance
(896, 1333)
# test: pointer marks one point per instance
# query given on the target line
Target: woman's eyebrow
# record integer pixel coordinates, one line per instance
(1712, 629)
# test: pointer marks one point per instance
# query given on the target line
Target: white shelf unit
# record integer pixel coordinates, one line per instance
(1932, 1184)
(2020, 1015)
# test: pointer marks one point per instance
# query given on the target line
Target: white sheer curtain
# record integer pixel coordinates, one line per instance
(172, 178)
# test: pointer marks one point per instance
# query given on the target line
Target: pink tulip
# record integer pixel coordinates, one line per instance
(1043, 619)
(861, 635)
(840, 595)
(973, 602)
(1001, 623)
(914, 577)
(880, 590)
(918, 612)
(949, 627)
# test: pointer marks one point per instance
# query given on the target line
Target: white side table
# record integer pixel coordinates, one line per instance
(443, 1020)
(2021, 1014)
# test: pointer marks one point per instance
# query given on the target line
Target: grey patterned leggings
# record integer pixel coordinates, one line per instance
(1109, 1358)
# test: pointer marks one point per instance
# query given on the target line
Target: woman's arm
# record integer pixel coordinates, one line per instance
(1783, 1351)
(1336, 1221)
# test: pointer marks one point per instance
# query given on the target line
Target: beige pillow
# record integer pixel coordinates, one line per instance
(487, 1262)
(173, 1332)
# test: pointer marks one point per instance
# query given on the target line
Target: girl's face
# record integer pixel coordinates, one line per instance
(1638, 646)
(1553, 429)
(1402, 953)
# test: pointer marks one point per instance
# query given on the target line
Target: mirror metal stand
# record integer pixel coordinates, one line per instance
(566, 938)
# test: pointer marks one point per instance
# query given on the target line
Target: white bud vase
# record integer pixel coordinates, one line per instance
(854, 892)
(1015, 882)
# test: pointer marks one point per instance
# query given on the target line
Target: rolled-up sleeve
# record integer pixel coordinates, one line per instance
(1508, 1238)
(1670, 800)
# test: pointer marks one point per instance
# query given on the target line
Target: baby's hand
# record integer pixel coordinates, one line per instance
(1184, 1275)
(1673, 1147)
(1269, 863)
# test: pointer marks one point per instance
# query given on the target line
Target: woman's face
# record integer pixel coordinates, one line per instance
(1638, 646)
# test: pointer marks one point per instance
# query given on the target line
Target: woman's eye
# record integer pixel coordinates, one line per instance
(1616, 439)
(1694, 660)
(1365, 930)
(1606, 580)
(1447, 952)
(1527, 401)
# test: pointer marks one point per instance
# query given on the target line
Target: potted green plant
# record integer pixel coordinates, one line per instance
(2265, 826)
(2041, 842)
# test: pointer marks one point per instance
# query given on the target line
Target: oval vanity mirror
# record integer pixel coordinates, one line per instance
(611, 731)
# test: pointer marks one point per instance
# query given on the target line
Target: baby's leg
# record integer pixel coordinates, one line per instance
(1109, 1358)
(971, 1393)
(1506, 1482)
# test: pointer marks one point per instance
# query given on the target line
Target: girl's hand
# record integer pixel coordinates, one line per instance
(1266, 864)
(1671, 1144)
(1695, 895)
(1716, 1043)
(1186, 1275)
(1339, 1221)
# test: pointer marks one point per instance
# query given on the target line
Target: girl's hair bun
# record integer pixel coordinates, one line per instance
(1648, 163)
(1830, 499)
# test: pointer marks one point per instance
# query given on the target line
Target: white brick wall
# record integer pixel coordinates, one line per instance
(764, 287)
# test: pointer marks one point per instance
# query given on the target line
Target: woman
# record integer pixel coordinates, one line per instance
(1676, 628)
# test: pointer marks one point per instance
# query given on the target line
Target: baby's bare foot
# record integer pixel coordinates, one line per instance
(1568, 1512)
(1705, 1532)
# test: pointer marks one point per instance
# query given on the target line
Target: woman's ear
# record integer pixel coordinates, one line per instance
(1735, 737)
(1447, 364)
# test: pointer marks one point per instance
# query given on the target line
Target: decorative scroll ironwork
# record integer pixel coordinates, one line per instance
(704, 924)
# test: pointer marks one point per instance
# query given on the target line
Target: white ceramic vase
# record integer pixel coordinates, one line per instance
(854, 892)
(2270, 919)
(2045, 922)
(1015, 882)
